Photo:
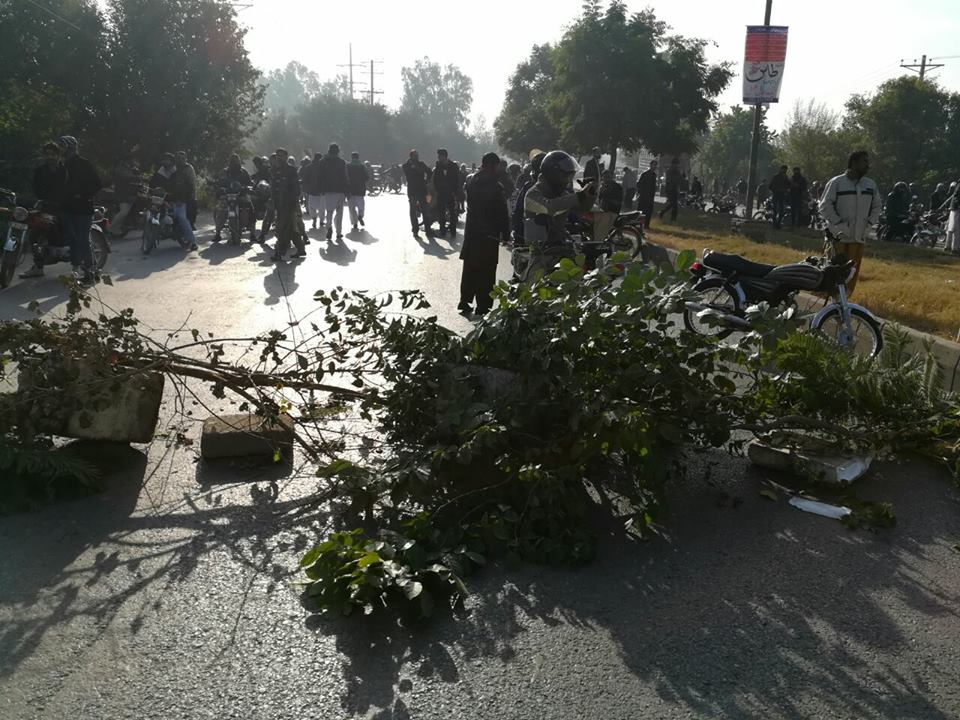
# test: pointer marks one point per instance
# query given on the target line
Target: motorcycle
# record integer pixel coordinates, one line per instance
(158, 223)
(732, 288)
(375, 185)
(695, 202)
(626, 236)
(726, 205)
(45, 236)
(929, 229)
(236, 212)
(13, 230)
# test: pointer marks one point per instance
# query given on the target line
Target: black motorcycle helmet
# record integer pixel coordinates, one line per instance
(558, 170)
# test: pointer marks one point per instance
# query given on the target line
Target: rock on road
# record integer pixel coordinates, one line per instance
(169, 596)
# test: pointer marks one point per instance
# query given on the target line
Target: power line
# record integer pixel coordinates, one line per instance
(373, 92)
(59, 17)
(351, 65)
(922, 68)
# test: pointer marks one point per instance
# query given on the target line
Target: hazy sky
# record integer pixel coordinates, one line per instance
(835, 47)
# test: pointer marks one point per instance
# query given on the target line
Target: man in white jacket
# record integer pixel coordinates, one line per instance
(851, 206)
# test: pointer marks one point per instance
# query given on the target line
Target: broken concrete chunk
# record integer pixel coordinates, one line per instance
(809, 459)
(245, 435)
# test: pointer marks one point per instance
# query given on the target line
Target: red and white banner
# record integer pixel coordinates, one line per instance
(763, 62)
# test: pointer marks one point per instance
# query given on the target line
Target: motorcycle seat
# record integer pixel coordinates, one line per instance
(728, 263)
(799, 276)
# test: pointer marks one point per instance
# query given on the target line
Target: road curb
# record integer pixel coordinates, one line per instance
(946, 352)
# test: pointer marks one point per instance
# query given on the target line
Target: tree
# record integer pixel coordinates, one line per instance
(290, 86)
(725, 154)
(618, 81)
(910, 128)
(440, 96)
(525, 122)
(813, 140)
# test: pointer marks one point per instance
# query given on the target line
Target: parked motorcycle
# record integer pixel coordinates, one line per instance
(733, 287)
(13, 231)
(726, 205)
(235, 211)
(929, 230)
(158, 223)
(695, 202)
(626, 236)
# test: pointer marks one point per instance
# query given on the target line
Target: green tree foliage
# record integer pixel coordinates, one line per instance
(725, 153)
(289, 86)
(814, 140)
(912, 129)
(440, 97)
(617, 80)
(525, 123)
(155, 75)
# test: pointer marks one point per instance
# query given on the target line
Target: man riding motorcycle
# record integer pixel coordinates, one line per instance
(176, 185)
(233, 173)
(48, 180)
(546, 207)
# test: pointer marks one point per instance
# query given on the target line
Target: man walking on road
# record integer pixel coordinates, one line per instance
(671, 183)
(488, 224)
(646, 191)
(446, 178)
(287, 204)
(81, 184)
(594, 168)
(310, 186)
(851, 208)
(780, 190)
(357, 176)
(334, 185)
(418, 175)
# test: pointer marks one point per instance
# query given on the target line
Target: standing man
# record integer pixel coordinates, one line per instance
(418, 175)
(671, 183)
(311, 187)
(126, 184)
(780, 190)
(287, 204)
(741, 190)
(190, 178)
(334, 183)
(594, 168)
(357, 177)
(446, 179)
(48, 182)
(80, 184)
(610, 196)
(798, 194)
(646, 191)
(851, 207)
(488, 224)
(629, 187)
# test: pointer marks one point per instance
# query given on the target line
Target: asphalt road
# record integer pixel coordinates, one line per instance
(169, 596)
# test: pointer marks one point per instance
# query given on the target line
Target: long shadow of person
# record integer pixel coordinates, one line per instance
(281, 283)
(339, 253)
(432, 247)
(362, 236)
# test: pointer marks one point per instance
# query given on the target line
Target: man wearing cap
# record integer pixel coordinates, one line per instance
(81, 184)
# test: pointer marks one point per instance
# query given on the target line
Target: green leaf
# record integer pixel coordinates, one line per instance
(370, 558)
(412, 589)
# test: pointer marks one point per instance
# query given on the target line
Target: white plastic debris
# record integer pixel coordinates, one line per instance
(834, 512)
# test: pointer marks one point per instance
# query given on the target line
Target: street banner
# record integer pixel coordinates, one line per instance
(763, 62)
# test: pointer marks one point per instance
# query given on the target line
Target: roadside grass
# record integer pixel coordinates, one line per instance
(914, 286)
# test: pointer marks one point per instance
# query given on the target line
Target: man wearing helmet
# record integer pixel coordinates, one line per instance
(81, 184)
(546, 207)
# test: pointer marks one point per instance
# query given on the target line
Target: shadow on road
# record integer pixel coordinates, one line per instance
(281, 283)
(746, 611)
(338, 252)
(362, 236)
(432, 247)
(216, 253)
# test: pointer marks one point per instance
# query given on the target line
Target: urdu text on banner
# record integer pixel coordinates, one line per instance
(763, 60)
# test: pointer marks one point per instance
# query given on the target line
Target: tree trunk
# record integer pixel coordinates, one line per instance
(613, 159)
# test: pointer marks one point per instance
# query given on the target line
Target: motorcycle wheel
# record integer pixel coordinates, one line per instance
(8, 264)
(100, 249)
(374, 189)
(713, 209)
(628, 240)
(717, 294)
(148, 240)
(867, 335)
(759, 215)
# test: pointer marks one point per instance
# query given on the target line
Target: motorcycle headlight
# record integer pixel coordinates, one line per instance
(20, 214)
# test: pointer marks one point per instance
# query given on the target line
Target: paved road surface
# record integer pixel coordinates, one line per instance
(168, 596)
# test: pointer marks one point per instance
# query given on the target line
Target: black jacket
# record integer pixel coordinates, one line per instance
(647, 186)
(233, 175)
(611, 197)
(81, 183)
(333, 175)
(418, 175)
(48, 182)
(357, 178)
(593, 169)
(780, 185)
(798, 186)
(286, 188)
(446, 178)
(177, 186)
(487, 220)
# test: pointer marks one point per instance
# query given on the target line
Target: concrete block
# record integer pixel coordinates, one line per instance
(245, 435)
(812, 461)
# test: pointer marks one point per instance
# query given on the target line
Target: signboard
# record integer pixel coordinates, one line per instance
(763, 62)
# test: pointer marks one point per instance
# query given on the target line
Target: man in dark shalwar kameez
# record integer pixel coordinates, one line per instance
(488, 222)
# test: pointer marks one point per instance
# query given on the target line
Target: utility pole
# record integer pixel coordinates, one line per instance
(351, 65)
(374, 92)
(922, 67)
(755, 141)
